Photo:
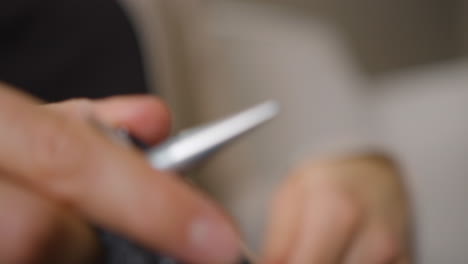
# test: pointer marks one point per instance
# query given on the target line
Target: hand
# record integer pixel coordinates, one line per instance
(350, 211)
(57, 173)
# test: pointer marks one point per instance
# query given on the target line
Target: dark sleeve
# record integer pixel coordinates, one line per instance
(59, 49)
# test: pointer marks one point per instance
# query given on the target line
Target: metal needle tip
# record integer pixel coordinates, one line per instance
(190, 147)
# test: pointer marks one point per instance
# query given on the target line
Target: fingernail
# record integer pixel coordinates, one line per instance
(215, 240)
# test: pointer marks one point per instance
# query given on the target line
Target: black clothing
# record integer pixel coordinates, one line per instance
(59, 49)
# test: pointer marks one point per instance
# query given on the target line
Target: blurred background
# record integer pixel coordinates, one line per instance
(351, 77)
(387, 73)
(390, 35)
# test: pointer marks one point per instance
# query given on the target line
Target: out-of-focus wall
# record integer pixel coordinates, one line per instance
(387, 35)
(462, 16)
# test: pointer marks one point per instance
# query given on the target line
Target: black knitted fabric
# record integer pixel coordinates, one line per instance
(118, 250)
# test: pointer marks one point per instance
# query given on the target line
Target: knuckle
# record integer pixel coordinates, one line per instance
(53, 148)
(78, 103)
(79, 108)
(58, 154)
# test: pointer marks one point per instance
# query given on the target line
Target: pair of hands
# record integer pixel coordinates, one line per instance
(58, 173)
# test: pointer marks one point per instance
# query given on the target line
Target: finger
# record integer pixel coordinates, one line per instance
(115, 187)
(144, 116)
(404, 260)
(330, 221)
(35, 230)
(286, 212)
(376, 244)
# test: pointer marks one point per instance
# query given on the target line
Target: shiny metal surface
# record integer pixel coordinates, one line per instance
(191, 146)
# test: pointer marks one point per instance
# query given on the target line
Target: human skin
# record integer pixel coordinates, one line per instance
(58, 173)
(350, 210)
